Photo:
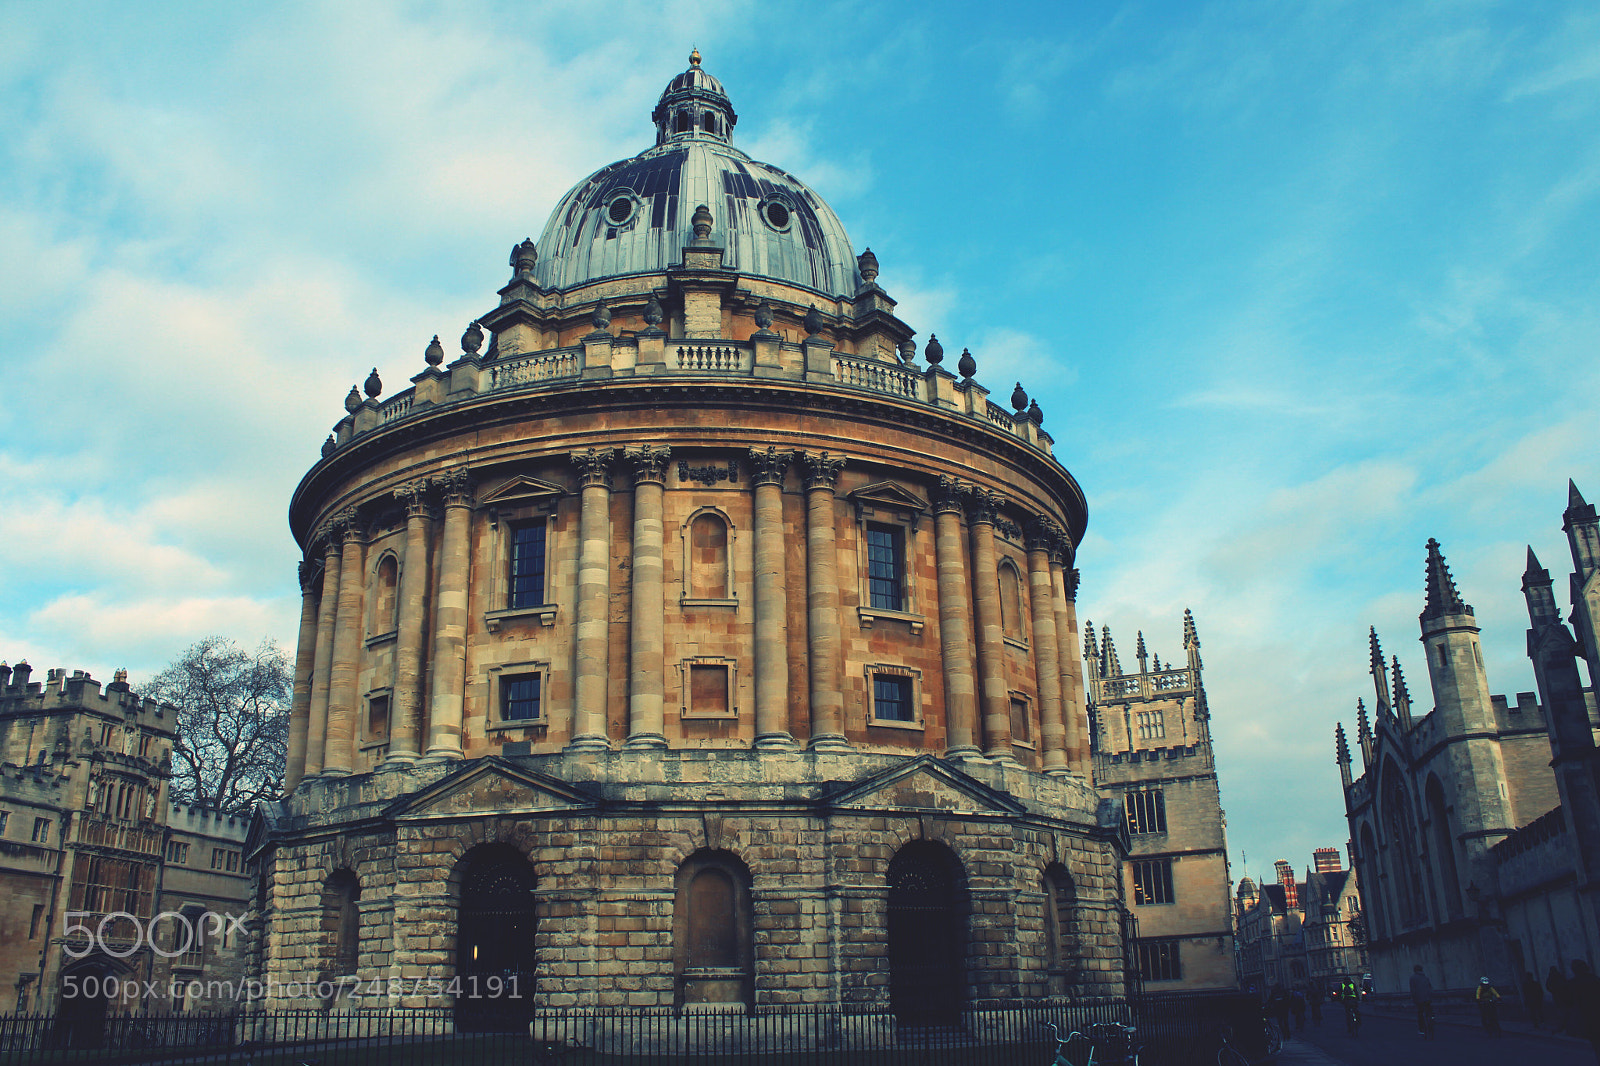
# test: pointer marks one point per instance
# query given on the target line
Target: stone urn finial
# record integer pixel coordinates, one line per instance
(328, 446)
(813, 321)
(1019, 399)
(967, 365)
(472, 339)
(373, 386)
(702, 223)
(435, 352)
(653, 313)
(1035, 415)
(353, 400)
(601, 318)
(933, 351)
(908, 351)
(763, 316)
(867, 263)
(524, 256)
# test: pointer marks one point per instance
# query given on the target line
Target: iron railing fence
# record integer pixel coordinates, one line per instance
(1174, 1030)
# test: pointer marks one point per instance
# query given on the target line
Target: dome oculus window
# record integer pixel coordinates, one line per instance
(621, 208)
(776, 213)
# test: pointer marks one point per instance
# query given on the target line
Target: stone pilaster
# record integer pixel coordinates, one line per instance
(822, 596)
(450, 616)
(955, 626)
(1074, 706)
(405, 731)
(594, 595)
(772, 603)
(647, 683)
(344, 697)
(995, 696)
(1046, 647)
(322, 667)
(305, 659)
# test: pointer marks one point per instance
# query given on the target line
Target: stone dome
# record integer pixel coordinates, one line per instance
(634, 216)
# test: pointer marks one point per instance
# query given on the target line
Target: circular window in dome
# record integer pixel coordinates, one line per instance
(621, 207)
(776, 212)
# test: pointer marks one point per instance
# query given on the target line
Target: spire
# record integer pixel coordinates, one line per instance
(1140, 654)
(1380, 676)
(1190, 638)
(1443, 598)
(1583, 532)
(1091, 652)
(1109, 666)
(1341, 746)
(1542, 610)
(1363, 733)
(1402, 698)
(1575, 498)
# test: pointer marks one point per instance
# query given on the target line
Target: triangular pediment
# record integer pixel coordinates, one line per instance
(489, 786)
(923, 784)
(522, 489)
(889, 494)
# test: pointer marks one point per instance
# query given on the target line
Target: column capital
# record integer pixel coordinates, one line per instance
(947, 496)
(594, 466)
(455, 487)
(414, 497)
(768, 467)
(308, 571)
(821, 470)
(1071, 579)
(348, 526)
(983, 505)
(648, 463)
(1041, 534)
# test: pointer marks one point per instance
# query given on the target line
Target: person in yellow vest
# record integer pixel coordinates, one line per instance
(1350, 997)
(1488, 1001)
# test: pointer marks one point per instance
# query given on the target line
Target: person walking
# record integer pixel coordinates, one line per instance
(1315, 998)
(1560, 998)
(1532, 999)
(1422, 999)
(1297, 1004)
(1488, 1000)
(1585, 996)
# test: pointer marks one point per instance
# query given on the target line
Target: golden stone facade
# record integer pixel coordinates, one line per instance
(683, 641)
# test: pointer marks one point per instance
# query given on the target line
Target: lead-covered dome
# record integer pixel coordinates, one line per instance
(634, 216)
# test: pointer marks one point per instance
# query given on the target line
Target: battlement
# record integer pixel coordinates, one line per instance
(1151, 684)
(59, 691)
(187, 818)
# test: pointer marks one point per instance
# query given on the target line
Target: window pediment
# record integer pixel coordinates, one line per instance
(890, 499)
(522, 491)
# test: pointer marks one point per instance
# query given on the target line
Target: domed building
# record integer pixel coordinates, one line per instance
(683, 641)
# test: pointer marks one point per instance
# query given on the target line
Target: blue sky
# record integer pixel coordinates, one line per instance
(1297, 286)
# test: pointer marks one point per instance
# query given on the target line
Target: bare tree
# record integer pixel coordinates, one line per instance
(233, 722)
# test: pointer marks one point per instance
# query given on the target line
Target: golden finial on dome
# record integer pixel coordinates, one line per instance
(694, 58)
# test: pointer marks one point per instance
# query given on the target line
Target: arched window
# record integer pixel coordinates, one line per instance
(1444, 848)
(1403, 846)
(385, 582)
(927, 918)
(1060, 925)
(708, 122)
(682, 122)
(712, 931)
(1011, 601)
(341, 924)
(1372, 884)
(708, 558)
(495, 939)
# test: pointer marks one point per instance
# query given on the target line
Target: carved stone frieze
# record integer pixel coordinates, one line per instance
(708, 475)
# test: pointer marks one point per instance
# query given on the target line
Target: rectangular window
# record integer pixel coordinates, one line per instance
(527, 566)
(1019, 722)
(233, 862)
(378, 716)
(5, 816)
(216, 858)
(884, 568)
(1147, 811)
(41, 830)
(1152, 726)
(1152, 881)
(34, 919)
(1158, 960)
(519, 698)
(708, 689)
(891, 698)
(177, 851)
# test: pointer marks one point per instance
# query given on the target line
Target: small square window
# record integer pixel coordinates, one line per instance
(378, 716)
(527, 566)
(521, 698)
(708, 689)
(1152, 882)
(885, 568)
(891, 698)
(1020, 722)
(1158, 960)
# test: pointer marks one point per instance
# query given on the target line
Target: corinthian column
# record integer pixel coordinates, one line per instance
(305, 659)
(450, 616)
(338, 757)
(996, 697)
(322, 665)
(772, 603)
(594, 595)
(955, 626)
(1046, 646)
(405, 732)
(1074, 706)
(647, 682)
(822, 602)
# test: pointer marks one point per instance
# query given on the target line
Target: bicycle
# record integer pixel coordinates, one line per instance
(1227, 1054)
(1425, 1020)
(1107, 1044)
(1352, 1018)
(1271, 1036)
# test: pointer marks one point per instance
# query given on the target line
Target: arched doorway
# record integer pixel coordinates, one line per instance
(494, 941)
(927, 934)
(80, 1022)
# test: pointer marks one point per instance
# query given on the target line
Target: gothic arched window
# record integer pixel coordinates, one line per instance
(1444, 848)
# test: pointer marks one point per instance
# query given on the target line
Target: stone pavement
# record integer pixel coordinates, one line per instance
(1300, 1053)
